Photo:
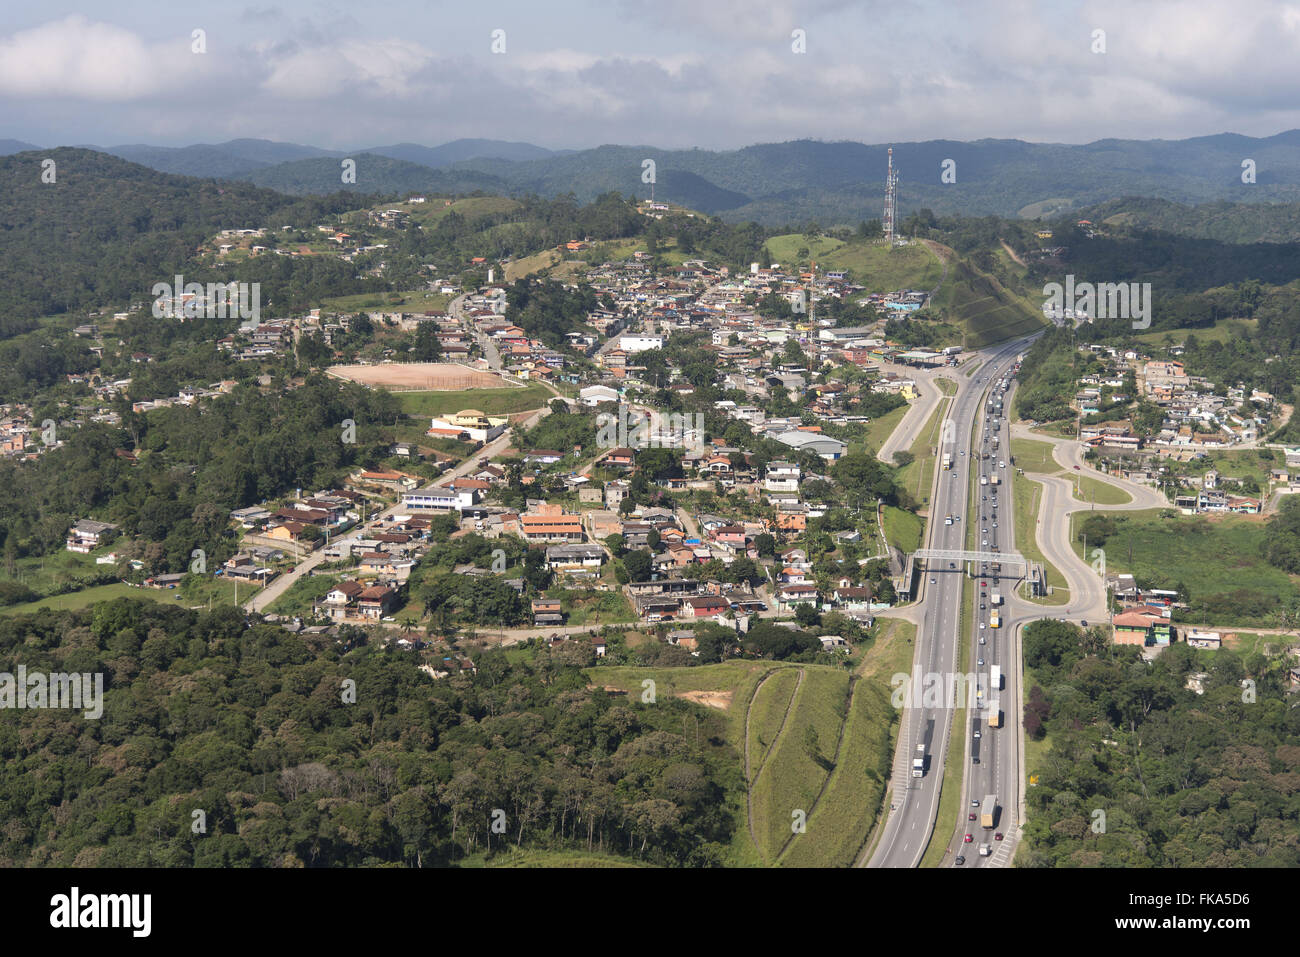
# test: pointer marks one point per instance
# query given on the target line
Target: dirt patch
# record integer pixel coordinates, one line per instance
(713, 699)
(420, 376)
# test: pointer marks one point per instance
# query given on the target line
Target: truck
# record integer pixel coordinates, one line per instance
(994, 479)
(918, 762)
(947, 461)
(986, 849)
(947, 519)
(988, 810)
(995, 678)
(995, 713)
(984, 480)
(994, 620)
(996, 598)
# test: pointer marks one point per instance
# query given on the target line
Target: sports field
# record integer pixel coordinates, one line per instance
(420, 376)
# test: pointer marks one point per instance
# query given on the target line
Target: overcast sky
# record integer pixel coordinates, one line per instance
(670, 73)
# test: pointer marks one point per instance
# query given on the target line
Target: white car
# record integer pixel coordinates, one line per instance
(977, 732)
(982, 627)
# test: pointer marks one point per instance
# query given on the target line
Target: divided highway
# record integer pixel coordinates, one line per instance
(915, 800)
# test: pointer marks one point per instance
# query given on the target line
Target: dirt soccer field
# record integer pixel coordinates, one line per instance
(420, 376)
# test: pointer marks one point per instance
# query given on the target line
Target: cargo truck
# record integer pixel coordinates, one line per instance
(995, 713)
(988, 810)
(947, 461)
(995, 678)
(994, 620)
(996, 598)
(994, 480)
(918, 762)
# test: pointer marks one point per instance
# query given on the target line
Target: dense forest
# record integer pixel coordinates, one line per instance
(194, 465)
(299, 755)
(1142, 771)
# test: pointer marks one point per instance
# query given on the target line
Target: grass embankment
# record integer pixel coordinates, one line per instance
(792, 777)
(917, 475)
(1026, 495)
(882, 269)
(878, 430)
(903, 529)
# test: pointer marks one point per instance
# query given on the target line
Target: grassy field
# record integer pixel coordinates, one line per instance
(491, 401)
(1218, 555)
(902, 528)
(878, 430)
(298, 599)
(538, 262)
(1222, 331)
(1090, 489)
(542, 858)
(1034, 456)
(87, 596)
(882, 269)
(1026, 495)
(785, 249)
(791, 779)
(416, 300)
(946, 386)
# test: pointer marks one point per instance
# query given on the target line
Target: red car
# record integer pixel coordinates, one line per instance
(969, 838)
(1076, 468)
(970, 817)
(997, 836)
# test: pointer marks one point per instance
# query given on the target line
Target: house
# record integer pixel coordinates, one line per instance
(566, 557)
(377, 601)
(550, 523)
(471, 422)
(546, 611)
(619, 458)
(1137, 627)
(704, 606)
(1204, 639)
(432, 499)
(598, 644)
(339, 599)
(594, 395)
(88, 534)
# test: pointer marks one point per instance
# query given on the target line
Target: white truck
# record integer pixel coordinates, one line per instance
(996, 598)
(918, 762)
(995, 678)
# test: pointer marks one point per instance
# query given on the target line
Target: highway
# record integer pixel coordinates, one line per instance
(915, 801)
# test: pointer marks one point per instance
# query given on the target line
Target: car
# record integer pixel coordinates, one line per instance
(971, 816)
(932, 581)
(995, 524)
(981, 662)
(961, 859)
(982, 627)
(984, 542)
(974, 803)
(983, 607)
(1002, 465)
(969, 838)
(984, 498)
(977, 732)
(984, 594)
(963, 451)
(984, 584)
(1076, 468)
(1084, 622)
(981, 636)
(997, 836)
(952, 564)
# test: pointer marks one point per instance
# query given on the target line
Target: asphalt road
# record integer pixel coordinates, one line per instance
(915, 801)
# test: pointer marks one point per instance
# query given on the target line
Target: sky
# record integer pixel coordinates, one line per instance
(714, 74)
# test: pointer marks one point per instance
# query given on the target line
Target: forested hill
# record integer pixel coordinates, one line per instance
(105, 230)
(250, 726)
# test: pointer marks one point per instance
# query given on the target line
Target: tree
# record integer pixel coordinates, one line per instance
(426, 347)
(638, 564)
(807, 615)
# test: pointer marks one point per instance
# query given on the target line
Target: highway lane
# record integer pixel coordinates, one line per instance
(914, 801)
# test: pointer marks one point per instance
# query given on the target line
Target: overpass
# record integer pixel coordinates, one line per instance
(962, 555)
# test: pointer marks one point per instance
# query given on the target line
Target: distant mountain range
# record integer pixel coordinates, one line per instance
(776, 183)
